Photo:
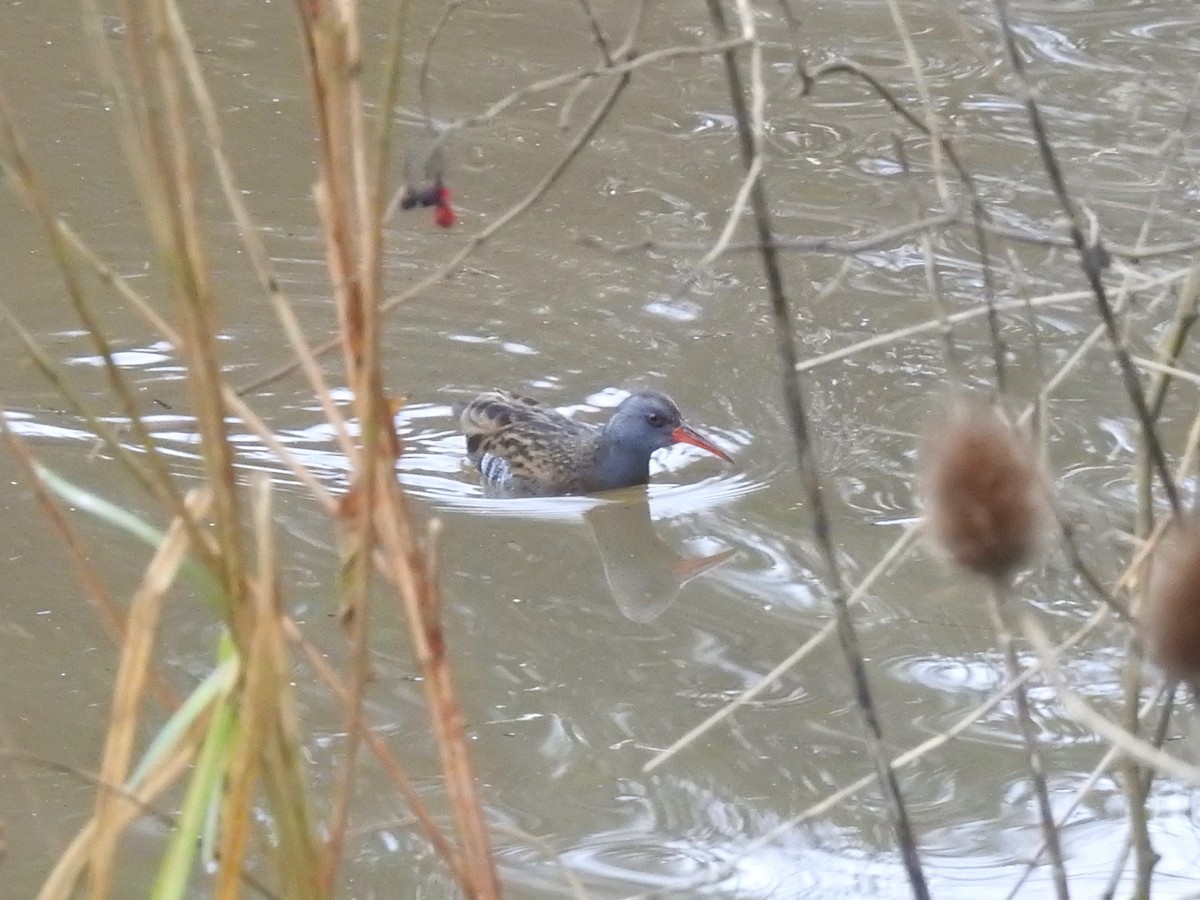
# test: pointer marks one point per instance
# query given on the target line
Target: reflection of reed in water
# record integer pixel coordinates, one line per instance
(643, 573)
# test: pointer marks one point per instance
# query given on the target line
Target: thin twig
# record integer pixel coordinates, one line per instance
(477, 240)
(1093, 259)
(750, 119)
(1033, 755)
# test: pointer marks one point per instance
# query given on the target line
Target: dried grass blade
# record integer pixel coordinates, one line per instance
(419, 590)
(157, 139)
(63, 880)
(102, 429)
(391, 766)
(266, 743)
(128, 691)
(24, 178)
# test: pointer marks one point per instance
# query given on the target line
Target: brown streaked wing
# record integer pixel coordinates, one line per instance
(541, 446)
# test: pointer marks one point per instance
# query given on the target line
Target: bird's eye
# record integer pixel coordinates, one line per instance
(655, 419)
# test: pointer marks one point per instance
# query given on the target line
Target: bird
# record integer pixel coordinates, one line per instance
(522, 447)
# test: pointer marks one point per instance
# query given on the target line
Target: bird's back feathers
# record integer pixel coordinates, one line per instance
(522, 444)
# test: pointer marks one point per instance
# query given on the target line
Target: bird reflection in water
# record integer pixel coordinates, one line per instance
(644, 574)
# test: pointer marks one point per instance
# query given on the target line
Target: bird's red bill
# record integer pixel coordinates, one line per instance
(685, 435)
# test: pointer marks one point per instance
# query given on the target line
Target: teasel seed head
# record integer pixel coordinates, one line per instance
(1170, 612)
(984, 492)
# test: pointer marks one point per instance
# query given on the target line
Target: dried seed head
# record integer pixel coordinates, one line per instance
(985, 499)
(1171, 610)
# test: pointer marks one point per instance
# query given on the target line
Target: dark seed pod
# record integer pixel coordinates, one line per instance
(984, 493)
(1170, 613)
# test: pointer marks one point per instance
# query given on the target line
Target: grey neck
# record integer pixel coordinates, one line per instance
(618, 466)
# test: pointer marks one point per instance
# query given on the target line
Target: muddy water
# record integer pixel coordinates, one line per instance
(589, 634)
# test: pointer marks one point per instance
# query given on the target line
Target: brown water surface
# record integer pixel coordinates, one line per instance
(585, 636)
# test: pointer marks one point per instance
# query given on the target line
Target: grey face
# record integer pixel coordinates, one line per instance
(646, 420)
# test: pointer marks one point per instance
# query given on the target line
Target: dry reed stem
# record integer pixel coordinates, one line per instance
(419, 593)
(136, 653)
(450, 727)
(263, 701)
(1137, 782)
(267, 697)
(1111, 756)
(382, 144)
(933, 286)
(154, 139)
(931, 123)
(352, 255)
(884, 237)
(543, 846)
(354, 612)
(157, 135)
(906, 758)
(1170, 346)
(1143, 778)
(1093, 258)
(941, 149)
(1063, 298)
(250, 235)
(374, 509)
(1121, 253)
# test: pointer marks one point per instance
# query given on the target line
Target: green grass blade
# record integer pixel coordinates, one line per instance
(203, 791)
(107, 511)
(219, 681)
